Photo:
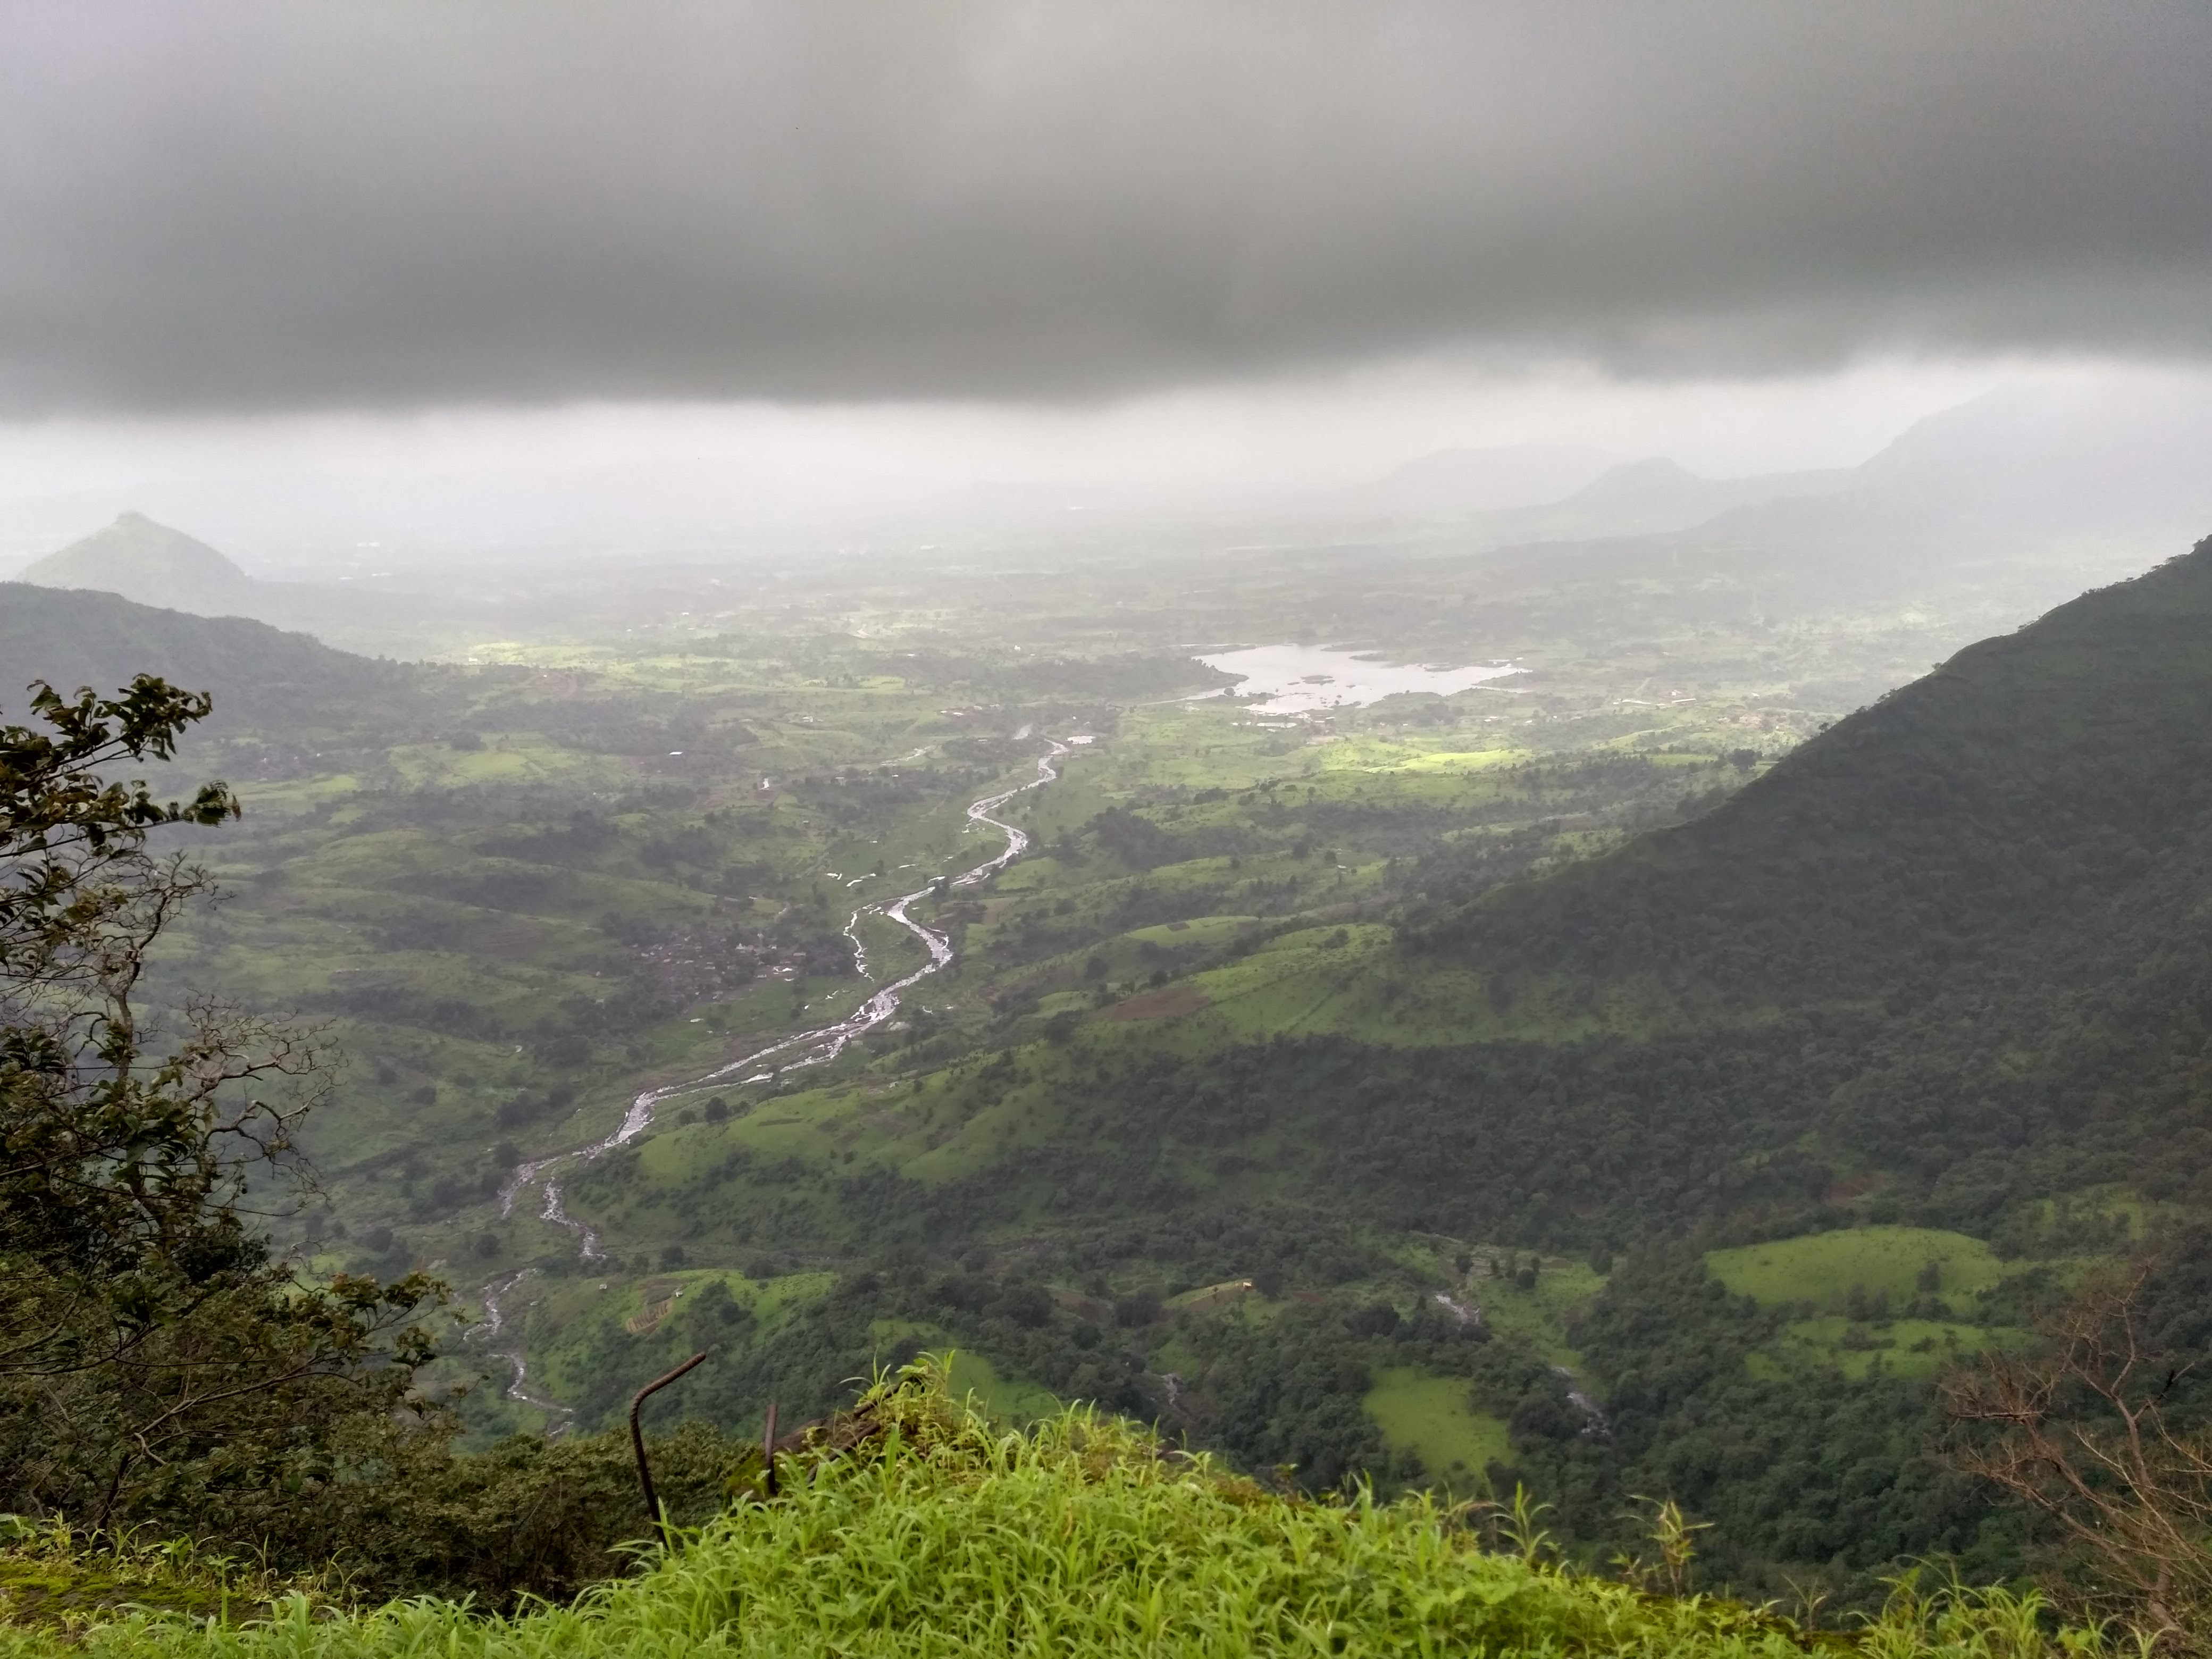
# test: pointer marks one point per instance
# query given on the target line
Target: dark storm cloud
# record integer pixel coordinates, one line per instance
(283, 204)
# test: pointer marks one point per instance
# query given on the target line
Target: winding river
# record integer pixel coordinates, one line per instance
(816, 1047)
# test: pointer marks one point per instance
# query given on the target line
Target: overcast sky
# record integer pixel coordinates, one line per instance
(256, 209)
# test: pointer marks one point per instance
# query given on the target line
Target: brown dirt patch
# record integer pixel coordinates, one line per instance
(1851, 1187)
(1165, 1004)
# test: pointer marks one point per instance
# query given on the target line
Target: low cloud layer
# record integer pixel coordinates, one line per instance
(247, 204)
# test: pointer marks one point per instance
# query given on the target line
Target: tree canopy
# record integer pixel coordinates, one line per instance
(155, 1358)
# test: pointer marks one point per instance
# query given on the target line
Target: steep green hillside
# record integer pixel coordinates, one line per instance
(2030, 787)
(288, 684)
(1969, 909)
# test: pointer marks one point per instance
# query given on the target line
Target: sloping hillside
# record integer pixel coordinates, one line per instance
(2032, 794)
(260, 676)
(1994, 876)
(1947, 959)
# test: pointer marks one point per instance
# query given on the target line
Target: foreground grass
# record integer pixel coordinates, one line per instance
(928, 1531)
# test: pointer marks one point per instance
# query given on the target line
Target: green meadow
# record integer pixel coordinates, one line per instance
(1826, 1270)
(1430, 1417)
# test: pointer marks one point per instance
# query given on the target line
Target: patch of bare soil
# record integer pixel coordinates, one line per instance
(1165, 1004)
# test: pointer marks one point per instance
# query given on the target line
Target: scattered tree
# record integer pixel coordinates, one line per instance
(2081, 1432)
(154, 1360)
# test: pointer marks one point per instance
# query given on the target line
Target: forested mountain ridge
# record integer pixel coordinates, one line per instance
(2062, 764)
(1996, 874)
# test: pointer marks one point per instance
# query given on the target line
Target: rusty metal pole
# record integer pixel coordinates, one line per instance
(767, 1453)
(637, 1441)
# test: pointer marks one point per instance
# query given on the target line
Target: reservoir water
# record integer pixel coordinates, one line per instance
(1297, 679)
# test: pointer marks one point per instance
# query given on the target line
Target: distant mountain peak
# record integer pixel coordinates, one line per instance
(149, 562)
(1491, 480)
(1633, 478)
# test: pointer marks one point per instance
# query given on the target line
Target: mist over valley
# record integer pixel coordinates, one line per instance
(1456, 854)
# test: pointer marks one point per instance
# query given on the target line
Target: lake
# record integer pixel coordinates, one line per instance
(1297, 679)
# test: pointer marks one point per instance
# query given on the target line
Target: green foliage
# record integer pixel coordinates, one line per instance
(1945, 927)
(155, 1361)
(72, 839)
(525, 1517)
(55, 1578)
(1814, 1475)
(917, 1526)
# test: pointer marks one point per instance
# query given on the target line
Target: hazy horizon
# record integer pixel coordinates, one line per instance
(302, 496)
